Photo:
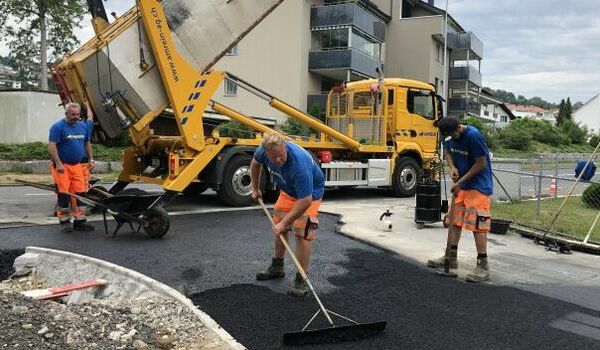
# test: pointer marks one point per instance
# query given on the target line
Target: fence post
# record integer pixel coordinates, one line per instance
(556, 177)
(539, 188)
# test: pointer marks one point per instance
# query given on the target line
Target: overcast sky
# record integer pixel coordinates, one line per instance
(545, 48)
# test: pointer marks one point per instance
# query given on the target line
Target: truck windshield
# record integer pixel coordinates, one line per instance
(421, 103)
(338, 104)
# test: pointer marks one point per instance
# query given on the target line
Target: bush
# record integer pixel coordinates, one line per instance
(25, 151)
(594, 140)
(515, 139)
(294, 127)
(235, 129)
(576, 133)
(591, 196)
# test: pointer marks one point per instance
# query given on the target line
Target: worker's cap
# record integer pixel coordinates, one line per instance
(448, 125)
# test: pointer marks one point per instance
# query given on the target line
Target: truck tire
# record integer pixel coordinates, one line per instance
(235, 188)
(407, 175)
(195, 189)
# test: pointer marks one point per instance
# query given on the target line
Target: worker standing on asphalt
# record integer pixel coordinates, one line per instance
(302, 186)
(468, 157)
(68, 145)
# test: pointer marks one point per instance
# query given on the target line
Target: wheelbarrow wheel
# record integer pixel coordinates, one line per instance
(157, 222)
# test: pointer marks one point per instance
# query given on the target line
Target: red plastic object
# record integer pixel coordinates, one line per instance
(325, 156)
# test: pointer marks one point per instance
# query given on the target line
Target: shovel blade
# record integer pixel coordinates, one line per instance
(335, 334)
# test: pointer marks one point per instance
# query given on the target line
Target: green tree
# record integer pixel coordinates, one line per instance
(594, 140)
(568, 109)
(34, 28)
(561, 112)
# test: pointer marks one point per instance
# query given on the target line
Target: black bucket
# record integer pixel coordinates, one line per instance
(499, 226)
(428, 202)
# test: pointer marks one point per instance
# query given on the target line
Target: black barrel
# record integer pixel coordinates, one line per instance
(429, 202)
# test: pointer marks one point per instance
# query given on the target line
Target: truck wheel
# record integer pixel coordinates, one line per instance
(157, 222)
(235, 189)
(195, 189)
(407, 175)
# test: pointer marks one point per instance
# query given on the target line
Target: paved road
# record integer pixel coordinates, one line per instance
(213, 258)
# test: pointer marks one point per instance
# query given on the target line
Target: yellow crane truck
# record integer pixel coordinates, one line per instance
(377, 133)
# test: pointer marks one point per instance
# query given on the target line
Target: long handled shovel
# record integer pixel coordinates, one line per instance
(334, 334)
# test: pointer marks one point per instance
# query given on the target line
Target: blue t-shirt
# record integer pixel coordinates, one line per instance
(70, 140)
(465, 152)
(300, 176)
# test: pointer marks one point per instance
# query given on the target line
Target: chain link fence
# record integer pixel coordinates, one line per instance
(543, 193)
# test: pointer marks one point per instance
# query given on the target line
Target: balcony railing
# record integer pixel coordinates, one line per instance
(468, 73)
(349, 14)
(462, 42)
(343, 59)
(461, 105)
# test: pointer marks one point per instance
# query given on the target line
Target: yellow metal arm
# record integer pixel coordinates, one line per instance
(188, 90)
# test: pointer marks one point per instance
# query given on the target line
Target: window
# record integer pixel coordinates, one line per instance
(439, 52)
(503, 119)
(486, 113)
(230, 88)
(331, 39)
(364, 45)
(421, 103)
(233, 51)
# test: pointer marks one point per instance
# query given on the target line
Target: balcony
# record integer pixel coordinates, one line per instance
(463, 43)
(335, 63)
(458, 76)
(462, 105)
(348, 14)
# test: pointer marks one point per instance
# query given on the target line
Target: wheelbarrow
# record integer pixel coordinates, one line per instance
(130, 206)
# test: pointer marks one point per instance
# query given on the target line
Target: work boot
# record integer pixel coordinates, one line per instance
(299, 287)
(481, 272)
(439, 262)
(65, 227)
(275, 270)
(82, 225)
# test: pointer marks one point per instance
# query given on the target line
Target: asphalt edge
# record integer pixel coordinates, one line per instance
(152, 285)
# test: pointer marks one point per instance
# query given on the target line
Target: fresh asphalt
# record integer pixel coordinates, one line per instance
(213, 257)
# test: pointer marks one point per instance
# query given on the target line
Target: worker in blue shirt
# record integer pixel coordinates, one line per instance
(302, 185)
(68, 145)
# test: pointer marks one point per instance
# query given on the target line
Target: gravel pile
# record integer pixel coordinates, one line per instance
(152, 323)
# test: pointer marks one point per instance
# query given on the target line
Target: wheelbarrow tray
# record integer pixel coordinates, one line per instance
(133, 204)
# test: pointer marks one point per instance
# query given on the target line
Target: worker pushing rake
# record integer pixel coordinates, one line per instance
(335, 333)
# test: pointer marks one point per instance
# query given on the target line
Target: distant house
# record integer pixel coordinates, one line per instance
(494, 111)
(532, 112)
(589, 114)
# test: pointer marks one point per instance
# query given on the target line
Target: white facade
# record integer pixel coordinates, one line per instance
(589, 114)
(26, 116)
(492, 113)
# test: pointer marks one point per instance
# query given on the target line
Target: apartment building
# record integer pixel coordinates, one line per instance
(307, 47)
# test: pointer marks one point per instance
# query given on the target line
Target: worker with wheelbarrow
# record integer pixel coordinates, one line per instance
(468, 157)
(302, 186)
(68, 145)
